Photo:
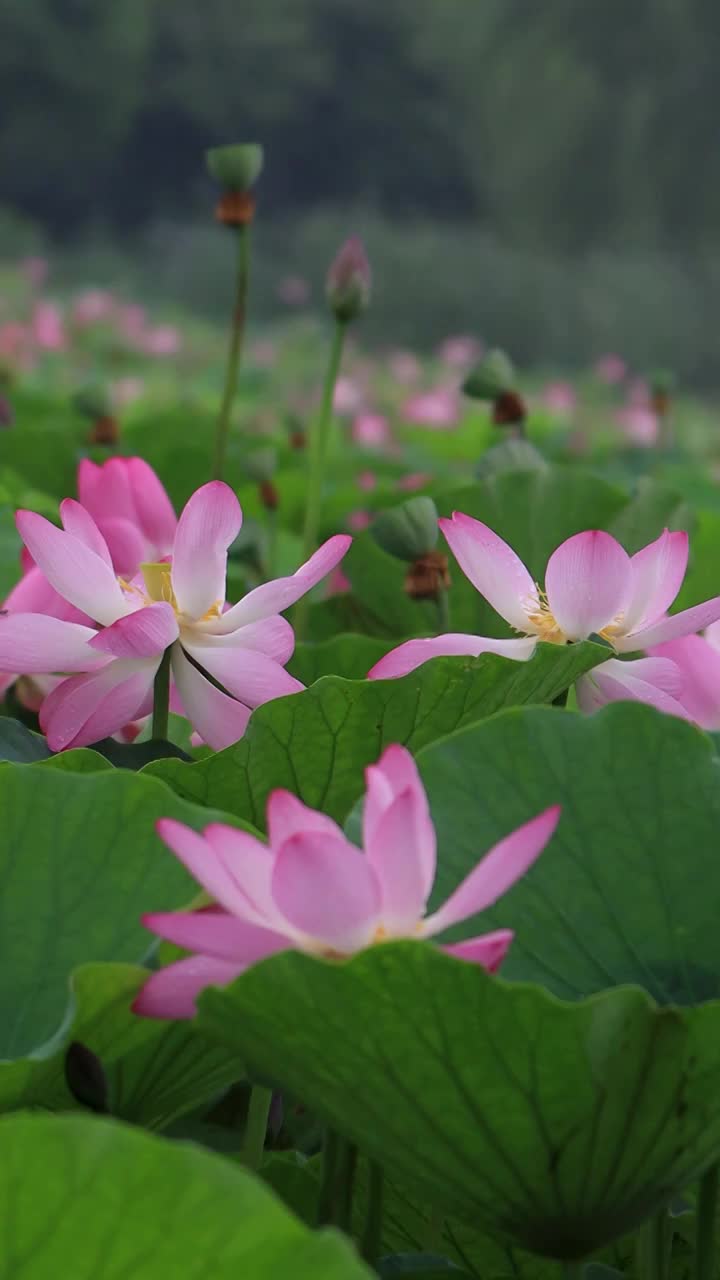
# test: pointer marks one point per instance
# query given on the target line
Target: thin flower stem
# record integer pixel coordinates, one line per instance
(271, 525)
(161, 699)
(654, 1241)
(256, 1126)
(371, 1241)
(442, 605)
(705, 1230)
(345, 1185)
(327, 1180)
(237, 333)
(317, 455)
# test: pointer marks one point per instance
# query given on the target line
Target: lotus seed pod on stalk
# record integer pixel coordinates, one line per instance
(492, 377)
(349, 281)
(237, 168)
(409, 532)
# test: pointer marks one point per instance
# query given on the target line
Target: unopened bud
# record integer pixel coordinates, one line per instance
(236, 167)
(269, 495)
(509, 410)
(85, 1078)
(349, 280)
(427, 576)
(493, 376)
(409, 531)
(261, 465)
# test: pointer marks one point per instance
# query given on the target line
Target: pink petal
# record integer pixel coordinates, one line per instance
(199, 855)
(105, 490)
(172, 992)
(401, 852)
(657, 576)
(245, 673)
(272, 636)
(489, 950)
(209, 523)
(413, 653)
(35, 644)
(656, 681)
(219, 719)
(492, 567)
(275, 597)
(327, 890)
(75, 571)
(680, 624)
(33, 594)
(125, 543)
(155, 511)
(216, 934)
(249, 863)
(78, 522)
(287, 816)
(699, 666)
(587, 580)
(394, 773)
(87, 708)
(509, 859)
(143, 634)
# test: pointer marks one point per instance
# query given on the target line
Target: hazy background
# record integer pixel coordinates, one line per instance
(545, 173)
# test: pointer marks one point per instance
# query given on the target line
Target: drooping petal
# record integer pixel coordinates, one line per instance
(656, 681)
(327, 890)
(125, 543)
(489, 950)
(401, 852)
(75, 571)
(245, 673)
(78, 522)
(492, 567)
(287, 816)
(219, 719)
(698, 662)
(275, 597)
(35, 644)
(413, 653)
(143, 634)
(84, 709)
(509, 859)
(588, 580)
(209, 523)
(249, 863)
(657, 575)
(173, 992)
(216, 933)
(680, 624)
(199, 855)
(155, 512)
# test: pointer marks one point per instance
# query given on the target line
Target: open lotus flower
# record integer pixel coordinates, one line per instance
(224, 661)
(697, 658)
(130, 507)
(658, 681)
(312, 890)
(592, 587)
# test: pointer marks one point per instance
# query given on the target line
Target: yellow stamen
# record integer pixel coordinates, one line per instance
(542, 621)
(158, 583)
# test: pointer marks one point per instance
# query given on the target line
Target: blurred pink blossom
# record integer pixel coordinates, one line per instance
(414, 480)
(131, 320)
(404, 367)
(16, 345)
(370, 429)
(366, 481)
(610, 369)
(460, 351)
(294, 291)
(338, 583)
(439, 407)
(47, 326)
(124, 390)
(92, 307)
(348, 396)
(162, 341)
(638, 425)
(639, 395)
(35, 270)
(560, 398)
(358, 520)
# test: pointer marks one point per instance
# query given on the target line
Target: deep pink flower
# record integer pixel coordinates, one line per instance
(131, 508)
(47, 327)
(698, 660)
(592, 587)
(370, 429)
(178, 605)
(610, 369)
(310, 889)
(639, 425)
(438, 408)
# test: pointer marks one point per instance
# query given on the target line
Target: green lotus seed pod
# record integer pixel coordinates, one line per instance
(408, 531)
(236, 167)
(493, 375)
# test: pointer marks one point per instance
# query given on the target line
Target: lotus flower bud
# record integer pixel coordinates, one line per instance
(349, 280)
(236, 168)
(85, 1078)
(409, 530)
(493, 376)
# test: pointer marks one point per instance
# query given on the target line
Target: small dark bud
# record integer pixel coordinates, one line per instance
(7, 415)
(269, 495)
(85, 1078)
(408, 531)
(105, 431)
(236, 167)
(427, 577)
(349, 281)
(509, 410)
(491, 377)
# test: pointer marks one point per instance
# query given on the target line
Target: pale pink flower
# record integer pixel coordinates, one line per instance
(592, 587)
(404, 367)
(131, 509)
(348, 396)
(92, 307)
(414, 480)
(460, 351)
(35, 270)
(309, 889)
(178, 606)
(610, 369)
(698, 659)
(639, 425)
(130, 319)
(47, 327)
(559, 398)
(162, 341)
(371, 430)
(358, 520)
(437, 408)
(367, 481)
(656, 681)
(294, 291)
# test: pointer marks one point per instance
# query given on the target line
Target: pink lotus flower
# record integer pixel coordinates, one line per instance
(131, 509)
(414, 480)
(404, 367)
(460, 351)
(47, 327)
(656, 681)
(638, 425)
(610, 369)
(437, 408)
(592, 587)
(560, 398)
(698, 661)
(178, 606)
(358, 520)
(366, 480)
(92, 307)
(311, 890)
(124, 391)
(162, 341)
(370, 429)
(348, 396)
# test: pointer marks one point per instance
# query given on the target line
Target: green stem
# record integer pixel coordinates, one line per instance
(256, 1126)
(317, 456)
(442, 605)
(271, 526)
(234, 351)
(161, 699)
(654, 1241)
(326, 1197)
(371, 1241)
(345, 1186)
(705, 1230)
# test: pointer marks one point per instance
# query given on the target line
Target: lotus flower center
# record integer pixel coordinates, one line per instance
(159, 590)
(542, 621)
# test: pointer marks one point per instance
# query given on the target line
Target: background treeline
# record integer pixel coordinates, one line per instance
(552, 136)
